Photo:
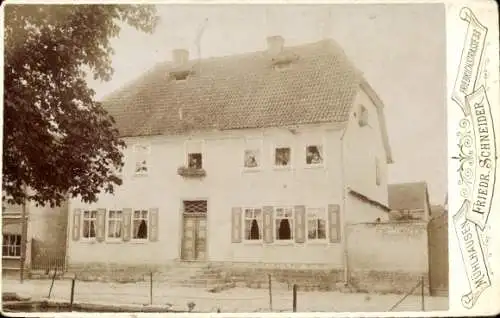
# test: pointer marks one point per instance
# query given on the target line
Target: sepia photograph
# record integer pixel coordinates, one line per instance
(225, 158)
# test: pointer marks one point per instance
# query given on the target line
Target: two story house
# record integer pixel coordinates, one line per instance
(257, 158)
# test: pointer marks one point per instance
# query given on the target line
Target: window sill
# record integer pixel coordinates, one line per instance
(317, 242)
(279, 168)
(251, 170)
(283, 242)
(312, 166)
(139, 241)
(114, 241)
(87, 241)
(253, 242)
(11, 257)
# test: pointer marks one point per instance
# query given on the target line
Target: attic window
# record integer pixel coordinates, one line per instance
(282, 62)
(180, 75)
(363, 116)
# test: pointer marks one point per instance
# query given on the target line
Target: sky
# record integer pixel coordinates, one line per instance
(400, 48)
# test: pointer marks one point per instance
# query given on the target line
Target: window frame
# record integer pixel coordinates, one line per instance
(107, 228)
(291, 223)
(201, 151)
(137, 158)
(89, 219)
(261, 225)
(273, 156)
(10, 246)
(324, 211)
(248, 146)
(132, 219)
(322, 154)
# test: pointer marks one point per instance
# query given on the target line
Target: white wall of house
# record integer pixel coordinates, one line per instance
(363, 149)
(227, 185)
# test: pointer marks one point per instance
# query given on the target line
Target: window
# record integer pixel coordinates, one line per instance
(194, 154)
(195, 160)
(314, 155)
(363, 116)
(253, 224)
(283, 223)
(140, 225)
(89, 223)
(282, 157)
(141, 159)
(114, 224)
(252, 154)
(377, 171)
(11, 245)
(316, 224)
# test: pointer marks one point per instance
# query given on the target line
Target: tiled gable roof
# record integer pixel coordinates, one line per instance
(240, 91)
(407, 196)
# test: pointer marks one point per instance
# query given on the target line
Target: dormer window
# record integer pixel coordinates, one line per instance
(180, 75)
(363, 116)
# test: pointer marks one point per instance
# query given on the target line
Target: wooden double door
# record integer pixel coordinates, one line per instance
(194, 231)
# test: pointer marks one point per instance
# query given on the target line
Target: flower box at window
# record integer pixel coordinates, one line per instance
(283, 218)
(282, 157)
(314, 155)
(11, 246)
(253, 224)
(114, 225)
(191, 172)
(89, 224)
(140, 225)
(316, 224)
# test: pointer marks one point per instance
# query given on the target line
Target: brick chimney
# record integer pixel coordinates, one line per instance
(275, 44)
(180, 56)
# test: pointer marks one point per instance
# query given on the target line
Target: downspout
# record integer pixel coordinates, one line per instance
(343, 211)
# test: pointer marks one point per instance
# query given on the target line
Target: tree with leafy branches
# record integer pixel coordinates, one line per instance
(58, 141)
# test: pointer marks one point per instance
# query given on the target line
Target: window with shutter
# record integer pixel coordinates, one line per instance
(100, 225)
(89, 221)
(334, 222)
(300, 226)
(252, 226)
(153, 224)
(283, 224)
(236, 225)
(127, 217)
(140, 225)
(114, 225)
(77, 214)
(268, 224)
(316, 224)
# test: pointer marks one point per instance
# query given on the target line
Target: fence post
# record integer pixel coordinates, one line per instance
(270, 294)
(53, 279)
(151, 288)
(294, 297)
(422, 292)
(72, 296)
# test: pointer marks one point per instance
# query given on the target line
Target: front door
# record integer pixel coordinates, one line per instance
(194, 239)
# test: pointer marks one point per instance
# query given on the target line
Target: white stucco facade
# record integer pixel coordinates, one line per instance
(228, 185)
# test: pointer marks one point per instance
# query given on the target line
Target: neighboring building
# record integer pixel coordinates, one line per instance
(411, 200)
(44, 233)
(258, 158)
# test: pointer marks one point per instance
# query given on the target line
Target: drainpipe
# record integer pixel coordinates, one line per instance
(343, 212)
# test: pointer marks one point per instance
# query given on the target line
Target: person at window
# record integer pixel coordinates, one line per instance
(251, 161)
(313, 156)
(194, 161)
(282, 156)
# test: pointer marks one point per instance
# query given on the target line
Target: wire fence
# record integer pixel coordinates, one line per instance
(152, 290)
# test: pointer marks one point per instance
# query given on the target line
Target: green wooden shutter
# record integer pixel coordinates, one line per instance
(236, 216)
(300, 223)
(334, 222)
(267, 212)
(77, 215)
(100, 225)
(127, 219)
(153, 224)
